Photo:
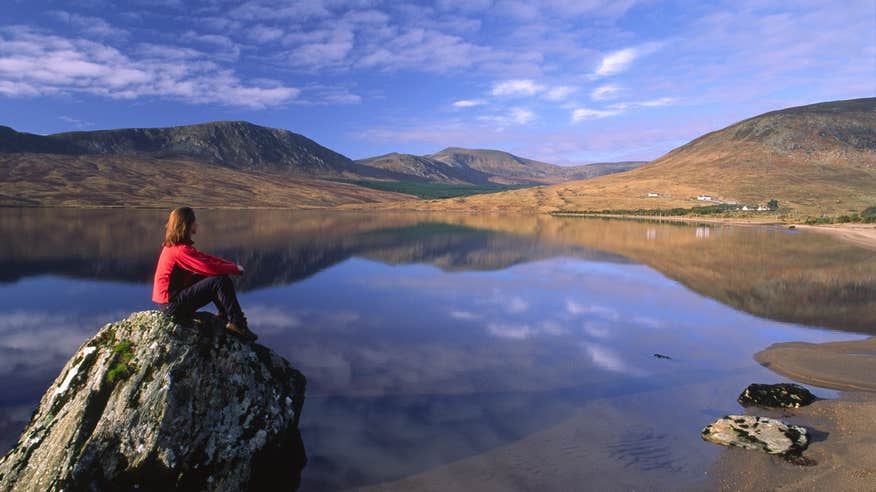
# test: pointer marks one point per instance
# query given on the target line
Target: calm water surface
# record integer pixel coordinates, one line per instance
(461, 351)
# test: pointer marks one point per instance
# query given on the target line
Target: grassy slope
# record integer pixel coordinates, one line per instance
(810, 162)
(432, 190)
(76, 181)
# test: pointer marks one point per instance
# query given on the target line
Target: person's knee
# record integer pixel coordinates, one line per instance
(220, 282)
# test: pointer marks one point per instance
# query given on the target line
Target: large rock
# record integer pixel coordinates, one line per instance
(152, 404)
(782, 395)
(759, 433)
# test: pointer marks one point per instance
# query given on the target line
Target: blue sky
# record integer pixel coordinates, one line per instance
(564, 81)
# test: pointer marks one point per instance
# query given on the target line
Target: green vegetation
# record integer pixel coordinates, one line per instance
(867, 216)
(659, 212)
(123, 368)
(773, 204)
(432, 190)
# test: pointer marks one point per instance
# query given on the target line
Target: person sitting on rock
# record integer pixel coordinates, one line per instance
(187, 279)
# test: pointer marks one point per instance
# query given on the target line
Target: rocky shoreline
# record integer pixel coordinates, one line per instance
(841, 443)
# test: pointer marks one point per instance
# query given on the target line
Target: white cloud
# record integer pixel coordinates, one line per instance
(511, 330)
(328, 47)
(560, 92)
(468, 103)
(464, 315)
(261, 33)
(516, 87)
(94, 26)
(515, 116)
(427, 50)
(32, 63)
(653, 103)
(604, 92)
(77, 123)
(582, 114)
(620, 60)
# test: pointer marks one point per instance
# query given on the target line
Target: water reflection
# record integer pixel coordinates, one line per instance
(779, 274)
(460, 351)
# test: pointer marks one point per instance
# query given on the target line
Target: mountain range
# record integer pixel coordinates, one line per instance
(815, 159)
(481, 166)
(236, 163)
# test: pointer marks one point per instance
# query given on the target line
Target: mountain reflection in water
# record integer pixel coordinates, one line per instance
(777, 274)
(453, 351)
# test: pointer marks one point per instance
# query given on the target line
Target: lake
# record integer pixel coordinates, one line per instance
(461, 351)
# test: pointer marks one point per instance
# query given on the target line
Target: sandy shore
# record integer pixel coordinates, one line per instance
(843, 438)
(861, 234)
(849, 366)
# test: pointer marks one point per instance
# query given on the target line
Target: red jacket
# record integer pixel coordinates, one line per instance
(176, 266)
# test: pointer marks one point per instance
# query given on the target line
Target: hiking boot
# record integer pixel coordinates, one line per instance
(241, 330)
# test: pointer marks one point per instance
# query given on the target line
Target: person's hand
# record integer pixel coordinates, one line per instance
(240, 267)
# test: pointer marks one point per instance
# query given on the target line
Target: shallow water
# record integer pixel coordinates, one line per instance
(461, 351)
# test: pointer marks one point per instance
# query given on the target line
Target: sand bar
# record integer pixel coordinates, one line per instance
(849, 366)
(842, 430)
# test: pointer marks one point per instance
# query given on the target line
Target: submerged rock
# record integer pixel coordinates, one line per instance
(152, 404)
(784, 395)
(760, 433)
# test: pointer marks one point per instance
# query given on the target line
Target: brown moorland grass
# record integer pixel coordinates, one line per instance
(817, 159)
(128, 181)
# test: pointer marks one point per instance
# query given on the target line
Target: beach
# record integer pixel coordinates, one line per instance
(842, 441)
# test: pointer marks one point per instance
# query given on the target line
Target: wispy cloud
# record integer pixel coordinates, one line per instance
(87, 25)
(515, 116)
(464, 315)
(618, 61)
(604, 92)
(582, 114)
(33, 63)
(653, 103)
(516, 87)
(468, 103)
(560, 92)
(77, 123)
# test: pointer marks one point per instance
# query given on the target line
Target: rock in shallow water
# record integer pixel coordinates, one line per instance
(151, 403)
(783, 395)
(760, 433)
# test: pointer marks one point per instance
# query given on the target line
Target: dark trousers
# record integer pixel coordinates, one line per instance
(217, 289)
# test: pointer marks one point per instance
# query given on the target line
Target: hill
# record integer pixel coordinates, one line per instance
(223, 164)
(54, 180)
(427, 169)
(219, 164)
(815, 159)
(235, 144)
(456, 165)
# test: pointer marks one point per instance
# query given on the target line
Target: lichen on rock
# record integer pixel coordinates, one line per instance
(782, 395)
(152, 403)
(758, 433)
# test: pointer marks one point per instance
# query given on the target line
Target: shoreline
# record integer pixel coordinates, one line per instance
(863, 235)
(841, 444)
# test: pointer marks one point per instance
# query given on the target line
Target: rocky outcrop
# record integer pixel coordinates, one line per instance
(782, 395)
(759, 433)
(152, 404)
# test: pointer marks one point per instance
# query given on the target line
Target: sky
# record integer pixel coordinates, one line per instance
(561, 81)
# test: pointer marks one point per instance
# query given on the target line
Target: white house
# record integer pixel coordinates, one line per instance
(653, 195)
(704, 198)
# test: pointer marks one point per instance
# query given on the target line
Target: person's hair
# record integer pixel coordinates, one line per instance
(179, 227)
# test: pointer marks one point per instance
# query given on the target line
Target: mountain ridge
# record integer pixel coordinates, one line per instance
(814, 159)
(484, 166)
